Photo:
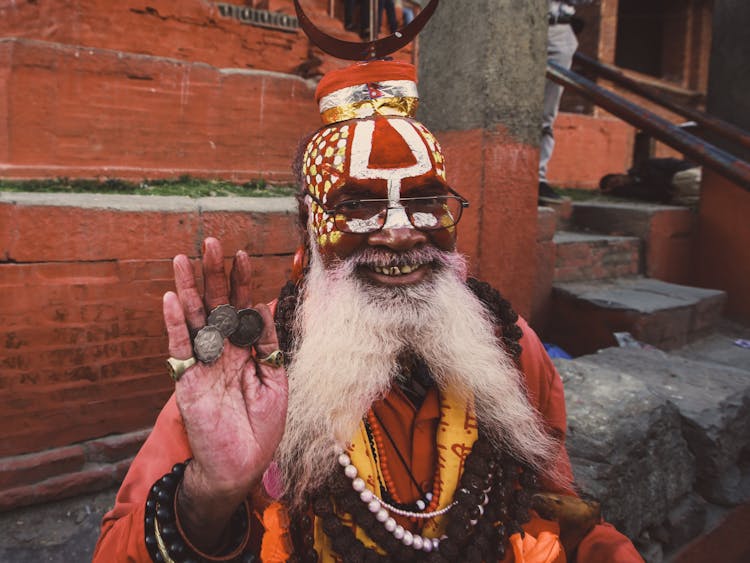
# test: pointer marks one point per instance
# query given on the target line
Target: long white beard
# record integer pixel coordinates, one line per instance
(350, 334)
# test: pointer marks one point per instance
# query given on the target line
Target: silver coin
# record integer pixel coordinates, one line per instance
(224, 317)
(208, 344)
(249, 328)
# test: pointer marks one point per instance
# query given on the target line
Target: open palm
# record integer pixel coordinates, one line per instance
(235, 408)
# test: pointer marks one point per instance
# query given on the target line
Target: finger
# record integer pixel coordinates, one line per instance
(192, 304)
(177, 331)
(268, 341)
(214, 278)
(239, 281)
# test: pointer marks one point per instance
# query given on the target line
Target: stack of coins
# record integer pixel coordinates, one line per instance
(243, 328)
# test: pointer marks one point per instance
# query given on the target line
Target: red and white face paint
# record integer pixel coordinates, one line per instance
(382, 157)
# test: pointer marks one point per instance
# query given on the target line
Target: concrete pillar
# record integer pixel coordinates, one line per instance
(481, 72)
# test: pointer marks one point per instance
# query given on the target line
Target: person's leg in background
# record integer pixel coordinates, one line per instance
(561, 46)
(349, 24)
(364, 18)
(390, 12)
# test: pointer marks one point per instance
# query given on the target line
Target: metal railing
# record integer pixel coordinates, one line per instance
(706, 121)
(698, 150)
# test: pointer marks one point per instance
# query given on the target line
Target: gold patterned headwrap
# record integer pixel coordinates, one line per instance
(367, 89)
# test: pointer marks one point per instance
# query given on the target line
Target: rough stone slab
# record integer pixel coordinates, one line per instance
(714, 403)
(563, 208)
(622, 218)
(587, 257)
(625, 444)
(569, 237)
(642, 295)
(116, 447)
(587, 314)
(720, 346)
(546, 224)
(168, 203)
(21, 470)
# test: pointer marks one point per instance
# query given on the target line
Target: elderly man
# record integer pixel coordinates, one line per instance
(415, 416)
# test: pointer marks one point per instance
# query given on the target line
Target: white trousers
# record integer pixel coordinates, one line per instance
(561, 45)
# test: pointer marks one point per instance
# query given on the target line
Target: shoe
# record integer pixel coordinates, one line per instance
(547, 194)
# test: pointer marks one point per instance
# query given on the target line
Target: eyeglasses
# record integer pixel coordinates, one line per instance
(427, 213)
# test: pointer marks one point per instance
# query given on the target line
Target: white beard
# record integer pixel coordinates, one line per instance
(350, 334)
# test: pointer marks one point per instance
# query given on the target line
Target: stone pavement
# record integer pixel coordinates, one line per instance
(58, 532)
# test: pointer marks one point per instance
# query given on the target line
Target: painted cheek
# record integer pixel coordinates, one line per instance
(444, 239)
(340, 245)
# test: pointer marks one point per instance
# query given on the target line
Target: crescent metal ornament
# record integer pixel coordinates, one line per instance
(368, 50)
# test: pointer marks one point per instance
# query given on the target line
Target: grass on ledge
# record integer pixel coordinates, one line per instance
(183, 186)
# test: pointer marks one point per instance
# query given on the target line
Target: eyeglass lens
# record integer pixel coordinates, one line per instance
(429, 213)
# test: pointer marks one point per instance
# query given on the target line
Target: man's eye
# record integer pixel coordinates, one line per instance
(352, 205)
(427, 202)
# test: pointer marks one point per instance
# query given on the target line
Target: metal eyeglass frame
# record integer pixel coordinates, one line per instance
(454, 195)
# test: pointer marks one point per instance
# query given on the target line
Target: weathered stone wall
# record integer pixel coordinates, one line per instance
(186, 30)
(660, 440)
(88, 112)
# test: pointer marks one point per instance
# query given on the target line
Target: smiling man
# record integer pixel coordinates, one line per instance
(416, 417)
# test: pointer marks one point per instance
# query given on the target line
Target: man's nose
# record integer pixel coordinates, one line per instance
(398, 238)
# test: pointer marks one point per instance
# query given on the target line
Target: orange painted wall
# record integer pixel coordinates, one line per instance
(723, 260)
(587, 148)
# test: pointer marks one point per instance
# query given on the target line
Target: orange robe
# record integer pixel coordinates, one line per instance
(414, 430)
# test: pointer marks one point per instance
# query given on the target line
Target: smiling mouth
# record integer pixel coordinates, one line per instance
(395, 271)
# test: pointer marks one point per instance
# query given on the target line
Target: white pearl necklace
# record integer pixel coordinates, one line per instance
(381, 509)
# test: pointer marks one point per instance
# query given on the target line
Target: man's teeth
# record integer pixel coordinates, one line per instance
(396, 270)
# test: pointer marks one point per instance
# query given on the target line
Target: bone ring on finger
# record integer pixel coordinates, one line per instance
(274, 359)
(178, 367)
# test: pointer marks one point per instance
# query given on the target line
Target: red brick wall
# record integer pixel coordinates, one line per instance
(185, 30)
(82, 343)
(102, 113)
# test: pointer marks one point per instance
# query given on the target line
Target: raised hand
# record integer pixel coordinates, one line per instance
(233, 409)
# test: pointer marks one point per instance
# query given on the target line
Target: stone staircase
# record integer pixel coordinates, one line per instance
(658, 432)
(621, 267)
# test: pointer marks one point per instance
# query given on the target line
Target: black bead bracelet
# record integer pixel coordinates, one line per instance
(164, 540)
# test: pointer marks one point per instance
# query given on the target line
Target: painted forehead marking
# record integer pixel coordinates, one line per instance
(362, 147)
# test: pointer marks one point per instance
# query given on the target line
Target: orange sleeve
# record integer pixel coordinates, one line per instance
(604, 544)
(122, 535)
(545, 390)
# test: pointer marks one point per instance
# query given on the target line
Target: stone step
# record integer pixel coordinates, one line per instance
(586, 256)
(563, 208)
(585, 315)
(666, 231)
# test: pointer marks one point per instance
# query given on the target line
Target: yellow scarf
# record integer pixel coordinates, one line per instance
(456, 433)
